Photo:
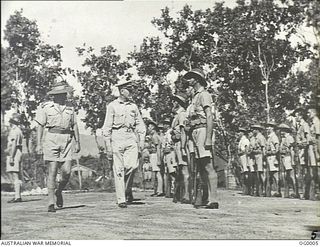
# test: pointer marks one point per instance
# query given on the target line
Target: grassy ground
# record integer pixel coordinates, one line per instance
(95, 215)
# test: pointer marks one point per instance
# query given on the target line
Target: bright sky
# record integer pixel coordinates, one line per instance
(122, 24)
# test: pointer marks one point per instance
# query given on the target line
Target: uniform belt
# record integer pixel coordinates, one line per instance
(60, 131)
(123, 128)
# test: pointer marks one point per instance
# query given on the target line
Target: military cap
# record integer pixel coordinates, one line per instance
(60, 88)
(123, 83)
(270, 124)
(167, 120)
(160, 126)
(197, 74)
(180, 97)
(242, 129)
(284, 127)
(299, 109)
(15, 119)
(257, 126)
(153, 123)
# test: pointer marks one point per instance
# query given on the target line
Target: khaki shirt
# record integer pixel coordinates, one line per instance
(15, 137)
(54, 115)
(122, 114)
(285, 144)
(272, 141)
(315, 128)
(243, 143)
(259, 143)
(178, 121)
(303, 132)
(200, 101)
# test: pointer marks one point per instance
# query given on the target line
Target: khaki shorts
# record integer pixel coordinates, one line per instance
(199, 138)
(154, 162)
(286, 161)
(170, 162)
(190, 146)
(312, 161)
(181, 160)
(258, 158)
(16, 165)
(57, 147)
(250, 163)
(302, 156)
(243, 162)
(272, 163)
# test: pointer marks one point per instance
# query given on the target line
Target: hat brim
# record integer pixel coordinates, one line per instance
(257, 127)
(11, 120)
(62, 91)
(179, 99)
(153, 123)
(194, 74)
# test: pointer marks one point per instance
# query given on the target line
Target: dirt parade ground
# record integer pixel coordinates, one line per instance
(95, 216)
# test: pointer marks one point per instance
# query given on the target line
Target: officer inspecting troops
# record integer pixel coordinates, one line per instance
(124, 133)
(60, 123)
(180, 139)
(14, 154)
(201, 122)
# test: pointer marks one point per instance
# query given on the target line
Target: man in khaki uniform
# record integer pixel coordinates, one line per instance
(271, 151)
(201, 122)
(258, 149)
(287, 156)
(243, 148)
(14, 154)
(303, 139)
(61, 124)
(179, 137)
(314, 150)
(124, 133)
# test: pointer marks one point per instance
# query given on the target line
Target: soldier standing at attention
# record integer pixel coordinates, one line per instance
(287, 155)
(169, 159)
(155, 156)
(252, 173)
(180, 139)
(60, 121)
(272, 149)
(243, 148)
(14, 154)
(303, 139)
(201, 122)
(258, 151)
(124, 133)
(314, 150)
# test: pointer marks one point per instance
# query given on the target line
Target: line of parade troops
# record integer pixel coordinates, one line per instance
(180, 151)
(272, 156)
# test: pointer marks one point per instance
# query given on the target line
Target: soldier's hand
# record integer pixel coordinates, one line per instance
(77, 147)
(109, 155)
(208, 143)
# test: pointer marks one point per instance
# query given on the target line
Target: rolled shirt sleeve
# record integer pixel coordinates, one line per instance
(41, 117)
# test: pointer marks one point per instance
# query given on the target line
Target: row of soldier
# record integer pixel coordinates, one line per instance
(271, 155)
(185, 146)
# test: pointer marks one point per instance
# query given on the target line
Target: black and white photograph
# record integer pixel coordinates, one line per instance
(160, 120)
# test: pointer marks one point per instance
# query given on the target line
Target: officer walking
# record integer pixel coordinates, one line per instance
(201, 122)
(14, 154)
(124, 133)
(60, 121)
